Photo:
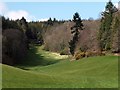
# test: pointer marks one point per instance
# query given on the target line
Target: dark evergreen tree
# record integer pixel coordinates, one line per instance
(54, 20)
(49, 22)
(105, 28)
(24, 24)
(116, 33)
(8, 24)
(75, 30)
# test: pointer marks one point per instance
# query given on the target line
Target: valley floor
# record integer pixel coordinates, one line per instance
(42, 69)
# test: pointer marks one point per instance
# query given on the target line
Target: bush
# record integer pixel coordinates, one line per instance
(65, 52)
(91, 54)
(79, 55)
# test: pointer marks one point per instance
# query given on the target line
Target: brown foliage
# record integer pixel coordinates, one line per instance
(57, 38)
(79, 55)
(91, 54)
(88, 37)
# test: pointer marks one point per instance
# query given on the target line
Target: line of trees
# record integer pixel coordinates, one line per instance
(14, 40)
(98, 35)
(65, 37)
(108, 27)
(17, 35)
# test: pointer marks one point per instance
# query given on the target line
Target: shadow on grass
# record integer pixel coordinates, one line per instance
(34, 58)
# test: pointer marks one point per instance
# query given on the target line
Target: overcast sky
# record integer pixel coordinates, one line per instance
(44, 10)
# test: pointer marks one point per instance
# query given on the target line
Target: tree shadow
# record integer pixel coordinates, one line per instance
(34, 58)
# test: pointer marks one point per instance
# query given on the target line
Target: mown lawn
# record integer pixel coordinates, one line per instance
(43, 69)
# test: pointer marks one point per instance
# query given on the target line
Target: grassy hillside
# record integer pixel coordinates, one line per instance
(52, 70)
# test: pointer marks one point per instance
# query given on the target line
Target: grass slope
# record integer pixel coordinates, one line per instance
(49, 70)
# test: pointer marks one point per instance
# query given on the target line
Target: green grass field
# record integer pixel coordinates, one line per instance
(43, 69)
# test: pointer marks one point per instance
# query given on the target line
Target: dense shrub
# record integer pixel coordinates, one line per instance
(79, 55)
(91, 54)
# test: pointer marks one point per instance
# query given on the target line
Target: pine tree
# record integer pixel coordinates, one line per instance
(50, 22)
(105, 28)
(24, 24)
(75, 30)
(116, 33)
